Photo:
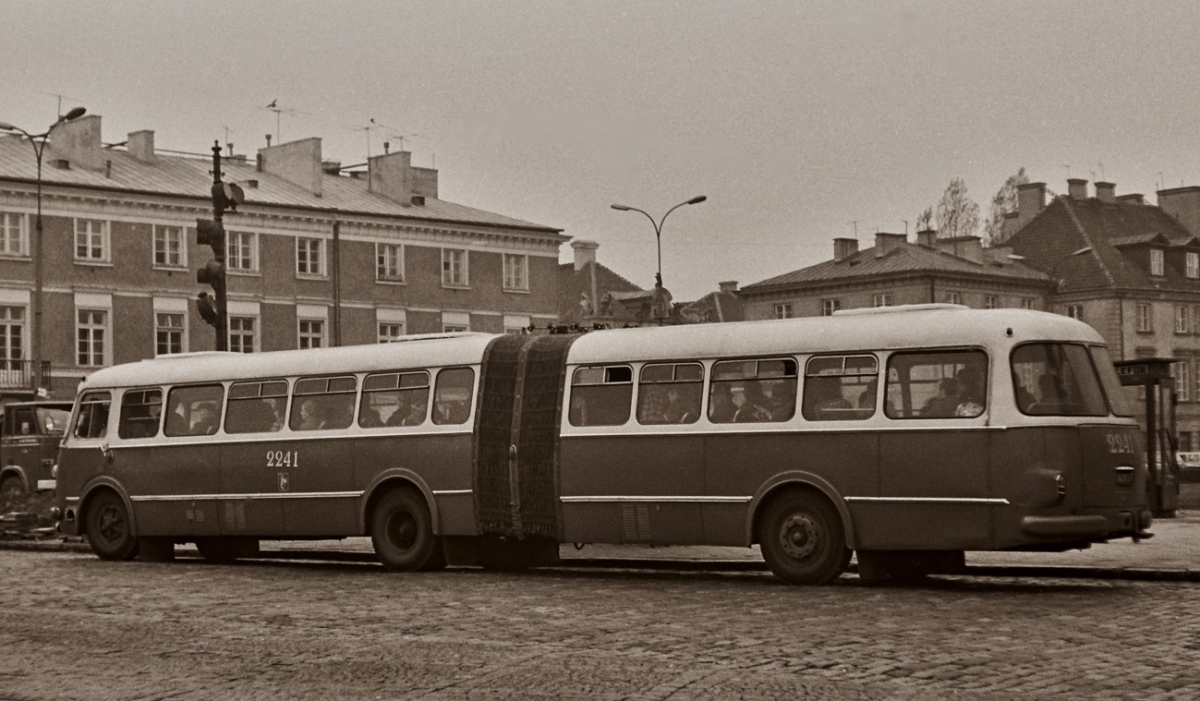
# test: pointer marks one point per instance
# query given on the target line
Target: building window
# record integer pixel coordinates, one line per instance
(389, 262)
(454, 267)
(91, 240)
(168, 247)
(1156, 261)
(309, 255)
(390, 331)
(883, 299)
(12, 337)
(1193, 265)
(1027, 303)
(168, 334)
(991, 302)
(953, 298)
(516, 272)
(91, 330)
(1182, 318)
(241, 251)
(312, 333)
(1145, 320)
(1075, 311)
(1181, 371)
(241, 334)
(829, 306)
(14, 234)
(784, 311)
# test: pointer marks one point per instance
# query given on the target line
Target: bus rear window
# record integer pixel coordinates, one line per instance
(1056, 379)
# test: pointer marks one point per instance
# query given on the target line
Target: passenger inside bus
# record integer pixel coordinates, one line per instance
(745, 403)
(310, 416)
(945, 403)
(971, 393)
(824, 400)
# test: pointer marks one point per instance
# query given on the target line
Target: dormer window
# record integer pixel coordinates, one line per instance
(1193, 265)
(1156, 261)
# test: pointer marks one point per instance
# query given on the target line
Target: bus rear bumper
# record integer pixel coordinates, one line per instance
(1090, 526)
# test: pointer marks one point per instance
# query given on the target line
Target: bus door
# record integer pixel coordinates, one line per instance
(934, 460)
(171, 477)
(254, 478)
(633, 479)
(314, 472)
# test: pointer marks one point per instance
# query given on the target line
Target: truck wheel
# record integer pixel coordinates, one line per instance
(11, 486)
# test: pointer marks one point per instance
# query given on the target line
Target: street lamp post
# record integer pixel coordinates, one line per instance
(39, 147)
(659, 292)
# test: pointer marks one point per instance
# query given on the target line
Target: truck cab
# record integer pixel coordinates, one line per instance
(29, 436)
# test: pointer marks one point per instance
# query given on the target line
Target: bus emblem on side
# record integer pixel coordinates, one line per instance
(283, 481)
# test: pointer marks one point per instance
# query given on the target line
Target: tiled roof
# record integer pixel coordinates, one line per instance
(188, 176)
(906, 258)
(1055, 241)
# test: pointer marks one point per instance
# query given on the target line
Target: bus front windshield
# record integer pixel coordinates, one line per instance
(1056, 379)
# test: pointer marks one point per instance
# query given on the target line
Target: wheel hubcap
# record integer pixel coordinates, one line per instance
(800, 536)
(403, 531)
(112, 526)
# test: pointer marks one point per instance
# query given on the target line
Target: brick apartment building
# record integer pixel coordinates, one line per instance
(119, 254)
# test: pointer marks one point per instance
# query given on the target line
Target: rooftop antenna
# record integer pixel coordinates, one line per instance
(274, 107)
(1068, 167)
(60, 100)
(855, 223)
(905, 227)
(1102, 172)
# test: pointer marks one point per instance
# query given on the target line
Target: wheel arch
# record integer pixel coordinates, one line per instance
(88, 495)
(393, 478)
(800, 481)
(18, 471)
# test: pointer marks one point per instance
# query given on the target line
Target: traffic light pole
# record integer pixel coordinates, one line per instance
(218, 199)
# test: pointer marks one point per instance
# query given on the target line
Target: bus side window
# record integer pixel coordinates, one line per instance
(601, 395)
(840, 387)
(452, 398)
(92, 421)
(194, 411)
(141, 410)
(937, 384)
(753, 391)
(670, 393)
(394, 399)
(256, 407)
(323, 403)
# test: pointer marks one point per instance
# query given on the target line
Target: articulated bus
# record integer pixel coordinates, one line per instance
(908, 435)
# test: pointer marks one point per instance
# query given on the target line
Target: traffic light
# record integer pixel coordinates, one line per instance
(212, 307)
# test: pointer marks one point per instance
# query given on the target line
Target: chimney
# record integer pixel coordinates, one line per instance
(331, 167)
(1077, 188)
(140, 145)
(298, 162)
(927, 238)
(425, 183)
(1106, 192)
(1132, 198)
(728, 287)
(1183, 203)
(78, 141)
(886, 243)
(843, 249)
(965, 247)
(585, 252)
(1031, 200)
(391, 176)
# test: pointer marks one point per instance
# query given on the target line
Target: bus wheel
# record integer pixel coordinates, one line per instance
(108, 528)
(802, 539)
(402, 532)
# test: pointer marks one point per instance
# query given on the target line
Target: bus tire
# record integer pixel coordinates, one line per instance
(109, 530)
(802, 538)
(402, 532)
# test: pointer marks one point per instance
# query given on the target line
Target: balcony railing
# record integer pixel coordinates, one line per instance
(18, 374)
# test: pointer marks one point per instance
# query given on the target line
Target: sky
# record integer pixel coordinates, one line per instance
(800, 121)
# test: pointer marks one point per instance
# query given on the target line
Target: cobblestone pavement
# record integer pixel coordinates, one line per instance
(74, 627)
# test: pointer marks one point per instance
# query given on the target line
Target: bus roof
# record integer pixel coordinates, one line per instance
(433, 350)
(886, 328)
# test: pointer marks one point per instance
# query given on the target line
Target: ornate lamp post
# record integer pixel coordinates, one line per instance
(661, 298)
(39, 147)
